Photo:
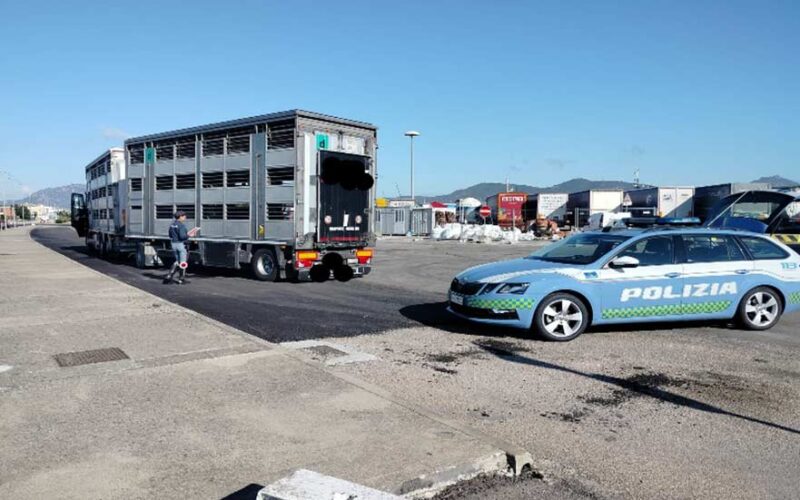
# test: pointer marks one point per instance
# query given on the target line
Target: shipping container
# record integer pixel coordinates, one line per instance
(705, 197)
(672, 201)
(507, 209)
(552, 206)
(290, 195)
(393, 221)
(581, 205)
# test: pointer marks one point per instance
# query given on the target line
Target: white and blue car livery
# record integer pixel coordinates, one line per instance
(661, 274)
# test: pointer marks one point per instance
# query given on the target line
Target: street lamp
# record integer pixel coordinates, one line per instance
(411, 134)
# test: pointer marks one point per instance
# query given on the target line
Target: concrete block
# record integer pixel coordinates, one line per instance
(306, 485)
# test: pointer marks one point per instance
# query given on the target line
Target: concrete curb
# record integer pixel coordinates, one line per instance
(509, 457)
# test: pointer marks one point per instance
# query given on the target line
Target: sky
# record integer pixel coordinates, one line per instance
(690, 92)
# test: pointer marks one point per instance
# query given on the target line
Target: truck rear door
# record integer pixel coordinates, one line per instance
(79, 217)
(344, 190)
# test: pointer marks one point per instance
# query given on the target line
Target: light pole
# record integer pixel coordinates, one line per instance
(411, 134)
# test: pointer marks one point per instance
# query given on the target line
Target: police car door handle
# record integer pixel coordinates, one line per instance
(742, 271)
(672, 275)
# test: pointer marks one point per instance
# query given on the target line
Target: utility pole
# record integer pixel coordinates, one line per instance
(411, 134)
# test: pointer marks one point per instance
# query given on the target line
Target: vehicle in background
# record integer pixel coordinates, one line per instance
(706, 197)
(550, 206)
(507, 209)
(634, 275)
(583, 204)
(601, 220)
(767, 212)
(289, 195)
(660, 202)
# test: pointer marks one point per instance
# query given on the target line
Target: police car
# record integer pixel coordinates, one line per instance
(634, 275)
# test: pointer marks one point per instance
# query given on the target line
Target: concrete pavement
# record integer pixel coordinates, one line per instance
(198, 410)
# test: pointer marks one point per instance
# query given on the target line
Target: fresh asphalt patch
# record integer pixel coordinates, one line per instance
(277, 312)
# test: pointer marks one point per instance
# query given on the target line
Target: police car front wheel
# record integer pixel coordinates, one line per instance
(760, 309)
(561, 317)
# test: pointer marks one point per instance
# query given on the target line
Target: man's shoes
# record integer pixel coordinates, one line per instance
(166, 281)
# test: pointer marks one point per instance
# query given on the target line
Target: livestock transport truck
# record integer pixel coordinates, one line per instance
(288, 195)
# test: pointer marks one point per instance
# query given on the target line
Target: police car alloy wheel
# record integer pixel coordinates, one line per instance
(561, 317)
(760, 309)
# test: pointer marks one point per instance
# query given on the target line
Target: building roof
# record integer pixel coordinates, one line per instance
(244, 122)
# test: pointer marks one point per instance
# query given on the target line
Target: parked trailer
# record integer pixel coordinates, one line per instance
(507, 209)
(705, 197)
(289, 195)
(551, 206)
(670, 201)
(581, 205)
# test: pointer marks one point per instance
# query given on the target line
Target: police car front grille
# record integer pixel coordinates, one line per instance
(465, 288)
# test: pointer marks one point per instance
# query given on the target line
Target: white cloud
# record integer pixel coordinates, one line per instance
(115, 133)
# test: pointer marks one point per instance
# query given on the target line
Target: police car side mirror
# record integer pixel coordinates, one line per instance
(623, 262)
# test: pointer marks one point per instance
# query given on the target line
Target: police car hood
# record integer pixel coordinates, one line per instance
(517, 270)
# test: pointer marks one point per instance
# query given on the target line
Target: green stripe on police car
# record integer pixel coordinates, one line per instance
(507, 303)
(667, 310)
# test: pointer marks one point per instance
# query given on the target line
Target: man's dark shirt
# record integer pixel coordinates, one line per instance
(178, 232)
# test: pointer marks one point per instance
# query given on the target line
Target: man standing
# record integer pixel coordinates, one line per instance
(178, 235)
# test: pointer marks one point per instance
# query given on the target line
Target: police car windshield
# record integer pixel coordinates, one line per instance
(579, 249)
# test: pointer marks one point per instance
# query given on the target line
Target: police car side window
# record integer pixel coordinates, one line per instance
(655, 251)
(711, 248)
(763, 249)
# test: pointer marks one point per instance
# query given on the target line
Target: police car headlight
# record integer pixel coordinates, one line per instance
(515, 288)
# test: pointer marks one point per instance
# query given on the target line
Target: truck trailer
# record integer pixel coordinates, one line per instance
(507, 209)
(289, 195)
(673, 201)
(551, 206)
(581, 205)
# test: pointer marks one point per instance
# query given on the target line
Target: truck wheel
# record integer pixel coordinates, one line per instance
(760, 309)
(561, 317)
(265, 265)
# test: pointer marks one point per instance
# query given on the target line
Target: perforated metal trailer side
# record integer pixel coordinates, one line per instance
(288, 194)
(100, 213)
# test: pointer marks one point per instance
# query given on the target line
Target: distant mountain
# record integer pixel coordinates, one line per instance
(485, 189)
(777, 181)
(58, 197)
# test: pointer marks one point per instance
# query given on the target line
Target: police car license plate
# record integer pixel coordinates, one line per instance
(457, 299)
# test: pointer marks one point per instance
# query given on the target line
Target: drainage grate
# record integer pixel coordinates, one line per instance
(88, 357)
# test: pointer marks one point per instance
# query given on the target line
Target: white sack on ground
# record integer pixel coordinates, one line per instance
(486, 233)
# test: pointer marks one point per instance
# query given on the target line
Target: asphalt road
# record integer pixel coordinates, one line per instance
(277, 312)
(678, 410)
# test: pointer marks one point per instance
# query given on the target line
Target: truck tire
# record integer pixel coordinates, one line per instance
(264, 265)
